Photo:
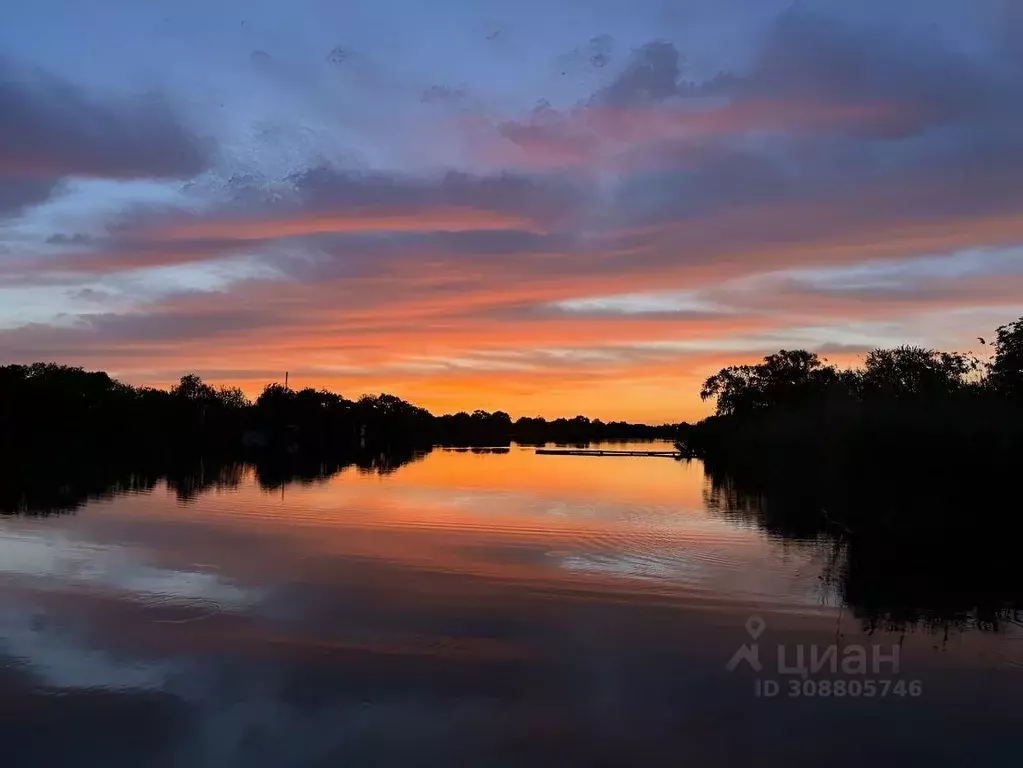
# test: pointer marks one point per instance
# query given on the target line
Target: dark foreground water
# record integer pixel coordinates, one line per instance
(466, 608)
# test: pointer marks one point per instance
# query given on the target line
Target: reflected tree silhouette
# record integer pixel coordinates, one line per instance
(61, 487)
(899, 576)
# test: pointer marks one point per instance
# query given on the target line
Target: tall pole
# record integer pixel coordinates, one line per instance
(285, 379)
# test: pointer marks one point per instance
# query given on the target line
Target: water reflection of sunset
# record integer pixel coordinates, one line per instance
(482, 597)
(583, 523)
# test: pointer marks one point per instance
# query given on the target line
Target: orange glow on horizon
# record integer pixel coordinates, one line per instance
(454, 332)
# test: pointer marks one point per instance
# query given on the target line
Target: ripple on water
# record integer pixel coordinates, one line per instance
(736, 563)
(177, 609)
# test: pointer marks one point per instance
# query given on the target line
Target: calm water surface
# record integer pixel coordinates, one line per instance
(465, 609)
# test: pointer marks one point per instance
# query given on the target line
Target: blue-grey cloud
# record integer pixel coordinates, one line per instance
(651, 75)
(19, 194)
(815, 58)
(329, 188)
(1011, 30)
(51, 129)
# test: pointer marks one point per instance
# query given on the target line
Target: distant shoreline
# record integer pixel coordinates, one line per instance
(47, 405)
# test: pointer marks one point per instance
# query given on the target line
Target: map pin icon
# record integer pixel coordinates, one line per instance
(755, 626)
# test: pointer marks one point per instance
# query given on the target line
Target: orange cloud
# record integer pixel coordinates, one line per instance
(354, 220)
(454, 331)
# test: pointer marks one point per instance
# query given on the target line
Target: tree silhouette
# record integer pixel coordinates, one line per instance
(909, 371)
(785, 377)
(1007, 367)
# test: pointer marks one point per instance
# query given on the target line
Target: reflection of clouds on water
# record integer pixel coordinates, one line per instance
(396, 622)
(61, 658)
(264, 728)
(75, 563)
(51, 566)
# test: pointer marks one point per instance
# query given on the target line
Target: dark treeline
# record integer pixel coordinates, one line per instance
(906, 470)
(48, 406)
(911, 427)
(482, 428)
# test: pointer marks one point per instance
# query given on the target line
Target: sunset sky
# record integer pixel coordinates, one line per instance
(546, 207)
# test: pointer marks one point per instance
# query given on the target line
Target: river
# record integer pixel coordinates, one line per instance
(466, 607)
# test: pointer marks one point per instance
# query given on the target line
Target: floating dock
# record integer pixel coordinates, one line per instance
(573, 452)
